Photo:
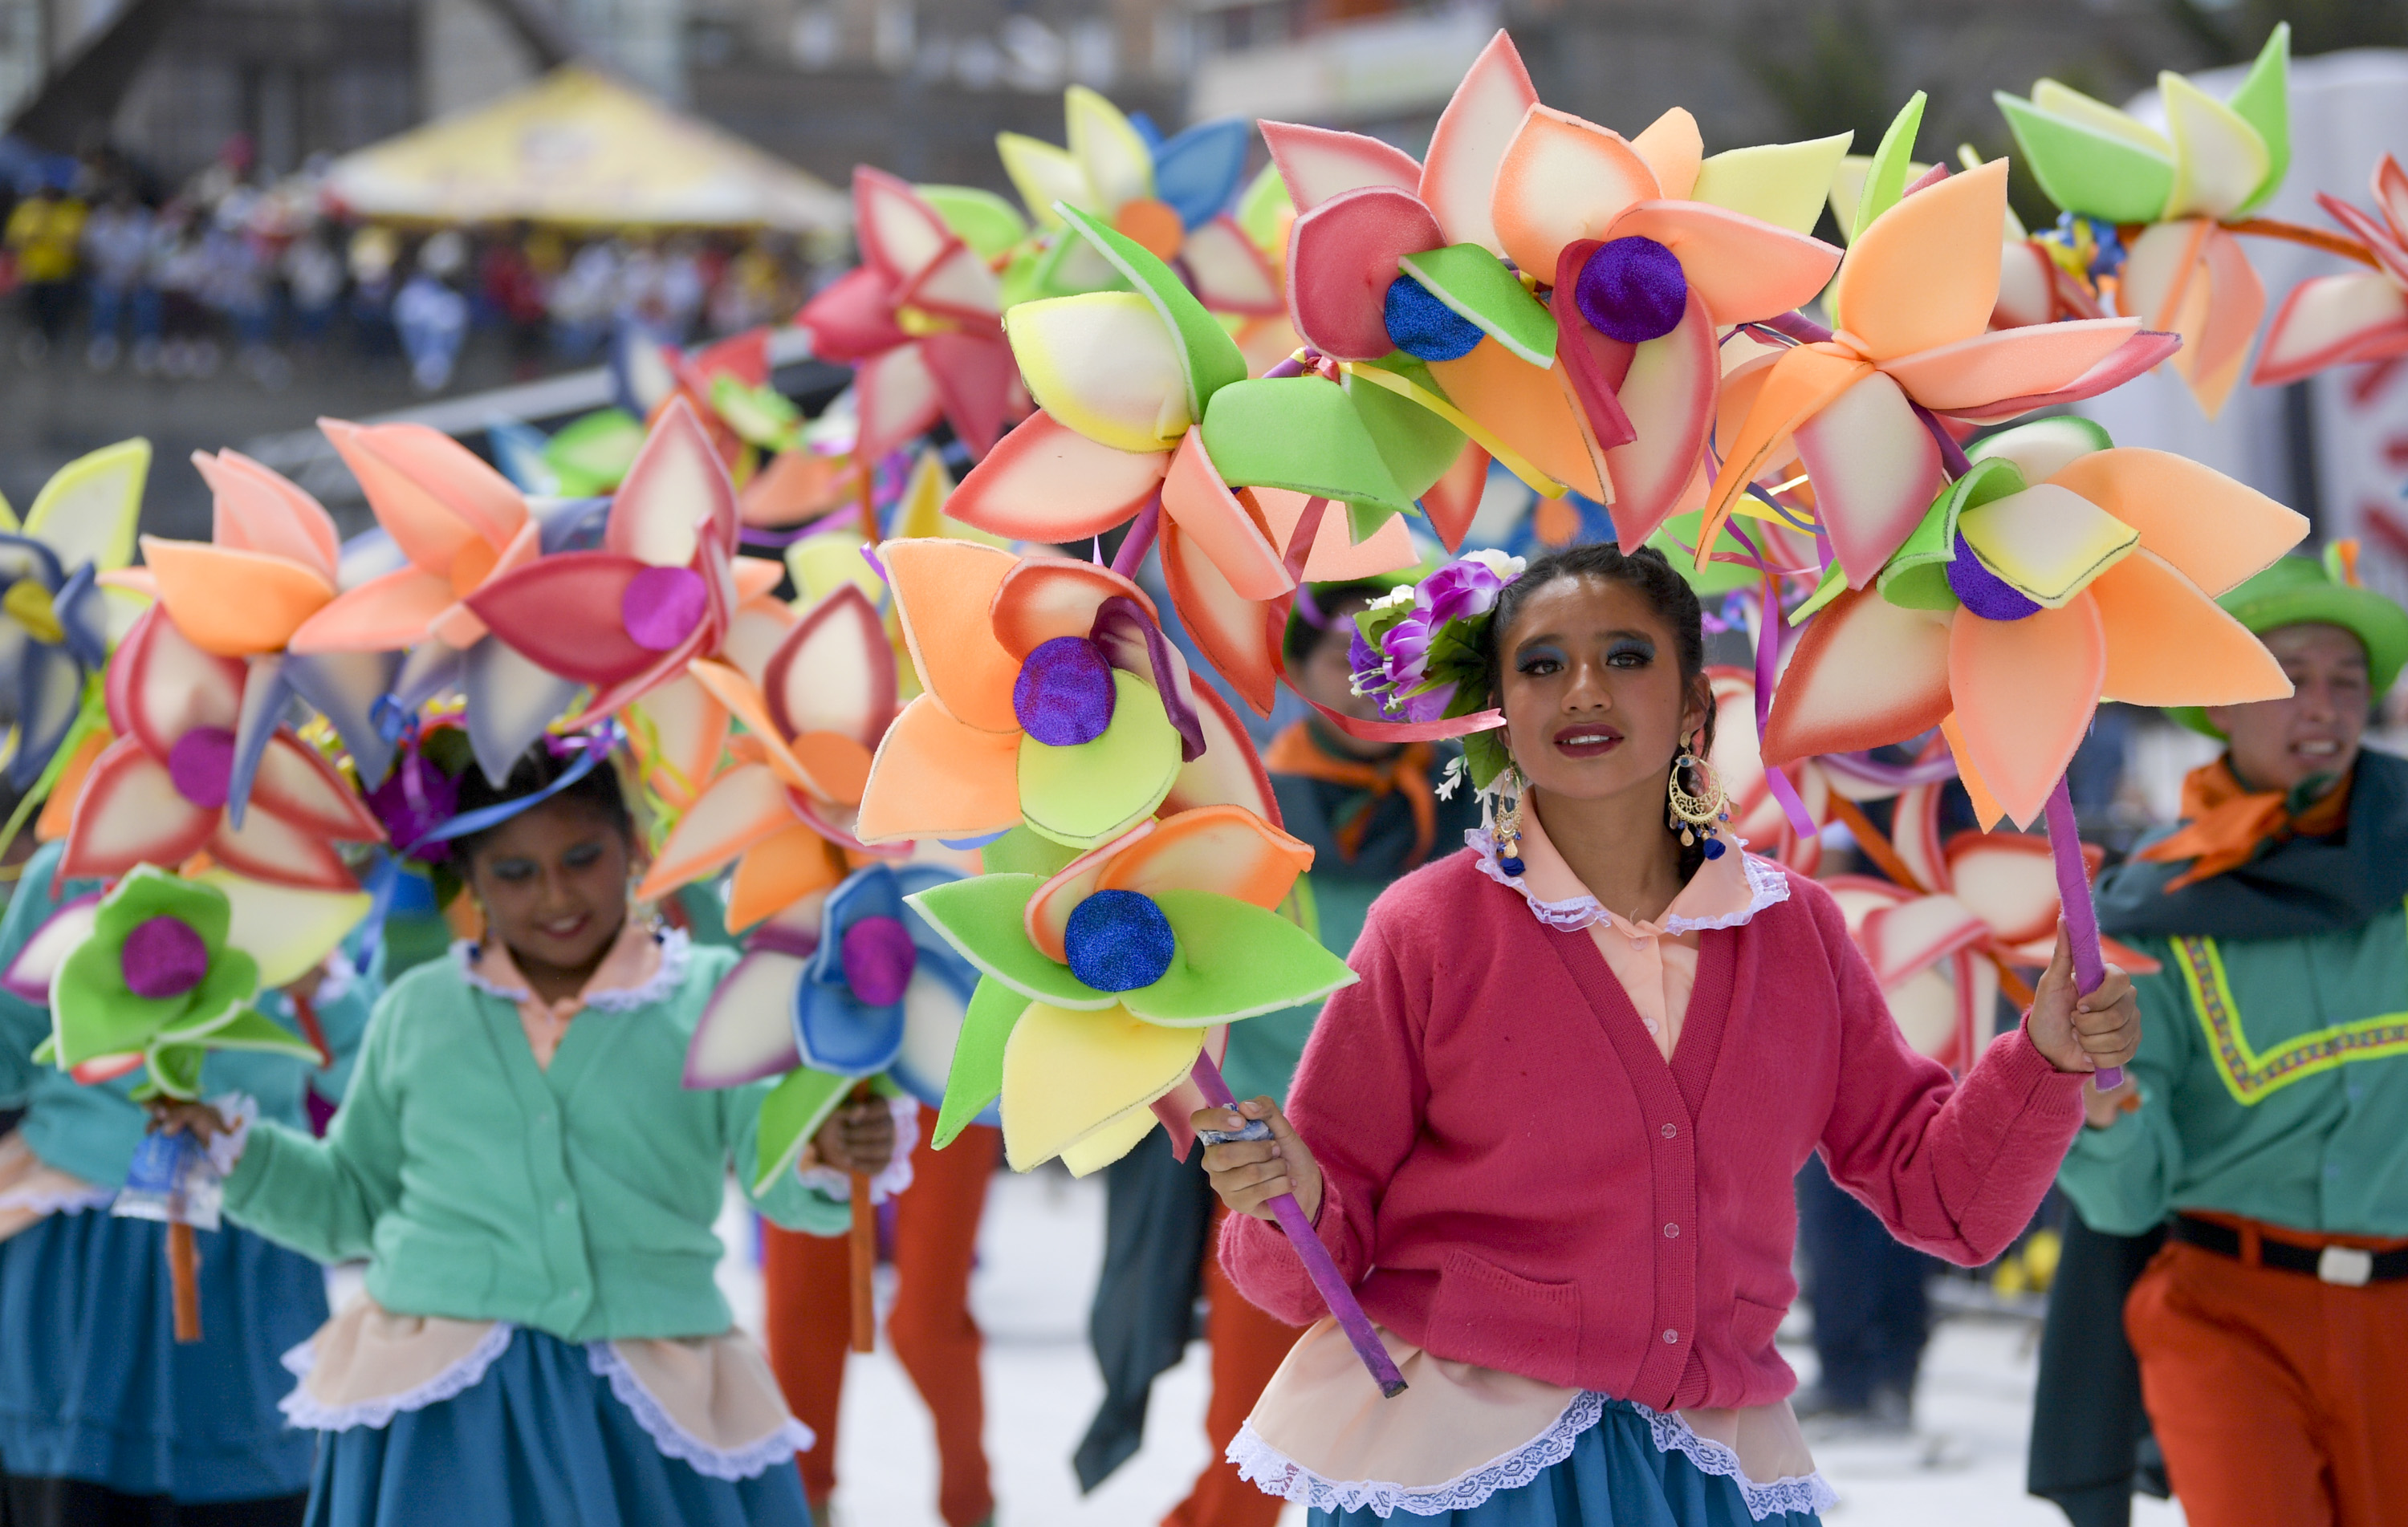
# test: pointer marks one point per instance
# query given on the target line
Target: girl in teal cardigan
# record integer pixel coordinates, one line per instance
(534, 1189)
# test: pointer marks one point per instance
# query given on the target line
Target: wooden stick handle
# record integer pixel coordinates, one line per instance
(864, 1247)
(184, 1276)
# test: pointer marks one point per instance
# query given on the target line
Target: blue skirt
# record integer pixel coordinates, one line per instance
(540, 1438)
(1616, 1477)
(95, 1387)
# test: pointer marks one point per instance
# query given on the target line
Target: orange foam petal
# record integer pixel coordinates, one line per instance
(58, 808)
(779, 871)
(936, 776)
(1240, 636)
(254, 509)
(1675, 150)
(1926, 272)
(2169, 644)
(1336, 556)
(233, 603)
(1193, 494)
(744, 805)
(1986, 809)
(1875, 470)
(2213, 530)
(839, 765)
(2010, 363)
(944, 590)
(1045, 597)
(1746, 269)
(678, 730)
(2025, 691)
(1792, 390)
(379, 616)
(430, 491)
(1226, 850)
(1526, 407)
(1045, 481)
(1563, 180)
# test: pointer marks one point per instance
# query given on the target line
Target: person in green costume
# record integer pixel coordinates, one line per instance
(2265, 1124)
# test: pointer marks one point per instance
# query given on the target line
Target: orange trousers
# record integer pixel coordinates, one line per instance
(2277, 1398)
(1247, 1347)
(807, 1283)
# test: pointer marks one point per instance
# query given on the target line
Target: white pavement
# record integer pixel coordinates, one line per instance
(1043, 1243)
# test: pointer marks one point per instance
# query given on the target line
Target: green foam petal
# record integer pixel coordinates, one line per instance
(1214, 360)
(1085, 794)
(2264, 102)
(987, 223)
(251, 1029)
(1263, 205)
(1020, 852)
(976, 1079)
(2044, 447)
(1677, 536)
(1417, 444)
(1477, 287)
(591, 454)
(232, 981)
(2088, 169)
(1235, 960)
(1916, 575)
(1885, 179)
(982, 916)
(1302, 433)
(790, 1115)
(1835, 583)
(1071, 266)
(175, 1071)
(147, 891)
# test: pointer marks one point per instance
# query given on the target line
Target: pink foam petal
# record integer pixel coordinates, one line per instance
(269, 847)
(681, 731)
(302, 787)
(1336, 556)
(2330, 320)
(1342, 260)
(957, 284)
(1045, 597)
(2009, 880)
(131, 813)
(1048, 914)
(562, 614)
(2236, 301)
(665, 668)
(853, 316)
(159, 685)
(1460, 174)
(1193, 495)
(1593, 364)
(1669, 398)
(1564, 180)
(1914, 833)
(2138, 353)
(1228, 273)
(256, 509)
(382, 615)
(1865, 674)
(1318, 164)
(744, 356)
(897, 399)
(1230, 773)
(747, 1032)
(2391, 194)
(834, 671)
(676, 486)
(1454, 498)
(1045, 481)
(2025, 691)
(28, 975)
(2011, 363)
(1239, 636)
(1875, 468)
(1450, 727)
(899, 234)
(1917, 934)
(2390, 257)
(2026, 285)
(1746, 269)
(974, 375)
(455, 478)
(747, 804)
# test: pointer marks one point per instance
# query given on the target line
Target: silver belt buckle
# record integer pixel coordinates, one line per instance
(2346, 1265)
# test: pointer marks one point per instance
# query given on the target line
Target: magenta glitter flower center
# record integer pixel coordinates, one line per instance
(163, 957)
(879, 959)
(662, 606)
(201, 766)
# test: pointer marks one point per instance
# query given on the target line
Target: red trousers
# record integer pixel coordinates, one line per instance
(1247, 1347)
(808, 1284)
(2277, 1398)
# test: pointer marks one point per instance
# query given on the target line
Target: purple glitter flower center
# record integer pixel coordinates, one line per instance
(1064, 694)
(1632, 290)
(163, 957)
(662, 606)
(201, 766)
(879, 959)
(1981, 591)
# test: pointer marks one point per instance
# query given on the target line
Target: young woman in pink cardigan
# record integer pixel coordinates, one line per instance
(1550, 1136)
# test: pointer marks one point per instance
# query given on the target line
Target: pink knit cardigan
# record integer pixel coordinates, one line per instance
(1515, 1178)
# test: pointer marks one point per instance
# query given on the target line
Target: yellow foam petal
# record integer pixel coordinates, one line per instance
(1071, 1076)
(2219, 160)
(2048, 542)
(1783, 183)
(1103, 364)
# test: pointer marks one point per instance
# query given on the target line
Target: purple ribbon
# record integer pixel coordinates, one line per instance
(1768, 666)
(2080, 912)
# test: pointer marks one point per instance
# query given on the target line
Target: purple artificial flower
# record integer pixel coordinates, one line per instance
(415, 798)
(1430, 706)
(1465, 588)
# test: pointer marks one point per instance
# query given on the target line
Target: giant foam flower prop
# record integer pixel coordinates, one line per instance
(1144, 399)
(1608, 384)
(917, 320)
(195, 770)
(2215, 162)
(1170, 195)
(1910, 354)
(1101, 981)
(2058, 571)
(155, 985)
(55, 618)
(1051, 697)
(2331, 321)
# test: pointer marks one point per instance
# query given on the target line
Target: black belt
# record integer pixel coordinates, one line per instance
(2346, 1265)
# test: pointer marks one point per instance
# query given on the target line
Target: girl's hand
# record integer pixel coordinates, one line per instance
(2100, 1109)
(1249, 1173)
(2081, 1034)
(858, 1137)
(198, 1119)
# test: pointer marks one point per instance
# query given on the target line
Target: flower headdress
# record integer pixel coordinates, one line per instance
(1417, 652)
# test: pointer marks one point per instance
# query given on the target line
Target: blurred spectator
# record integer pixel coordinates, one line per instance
(431, 317)
(749, 291)
(238, 286)
(116, 254)
(373, 255)
(506, 275)
(313, 280)
(42, 234)
(189, 347)
(582, 300)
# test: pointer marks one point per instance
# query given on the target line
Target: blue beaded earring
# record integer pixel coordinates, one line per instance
(1508, 835)
(1696, 814)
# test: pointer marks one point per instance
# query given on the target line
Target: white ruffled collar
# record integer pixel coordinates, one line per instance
(1725, 892)
(644, 966)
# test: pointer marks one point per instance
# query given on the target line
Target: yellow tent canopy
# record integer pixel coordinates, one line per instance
(579, 147)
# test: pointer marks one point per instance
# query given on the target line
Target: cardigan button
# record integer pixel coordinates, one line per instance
(1671, 1130)
(1671, 1232)
(1672, 1337)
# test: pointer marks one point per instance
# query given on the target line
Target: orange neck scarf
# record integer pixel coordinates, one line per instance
(1293, 751)
(2226, 822)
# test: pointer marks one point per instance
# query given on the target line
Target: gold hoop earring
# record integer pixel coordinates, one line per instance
(1508, 834)
(1697, 812)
